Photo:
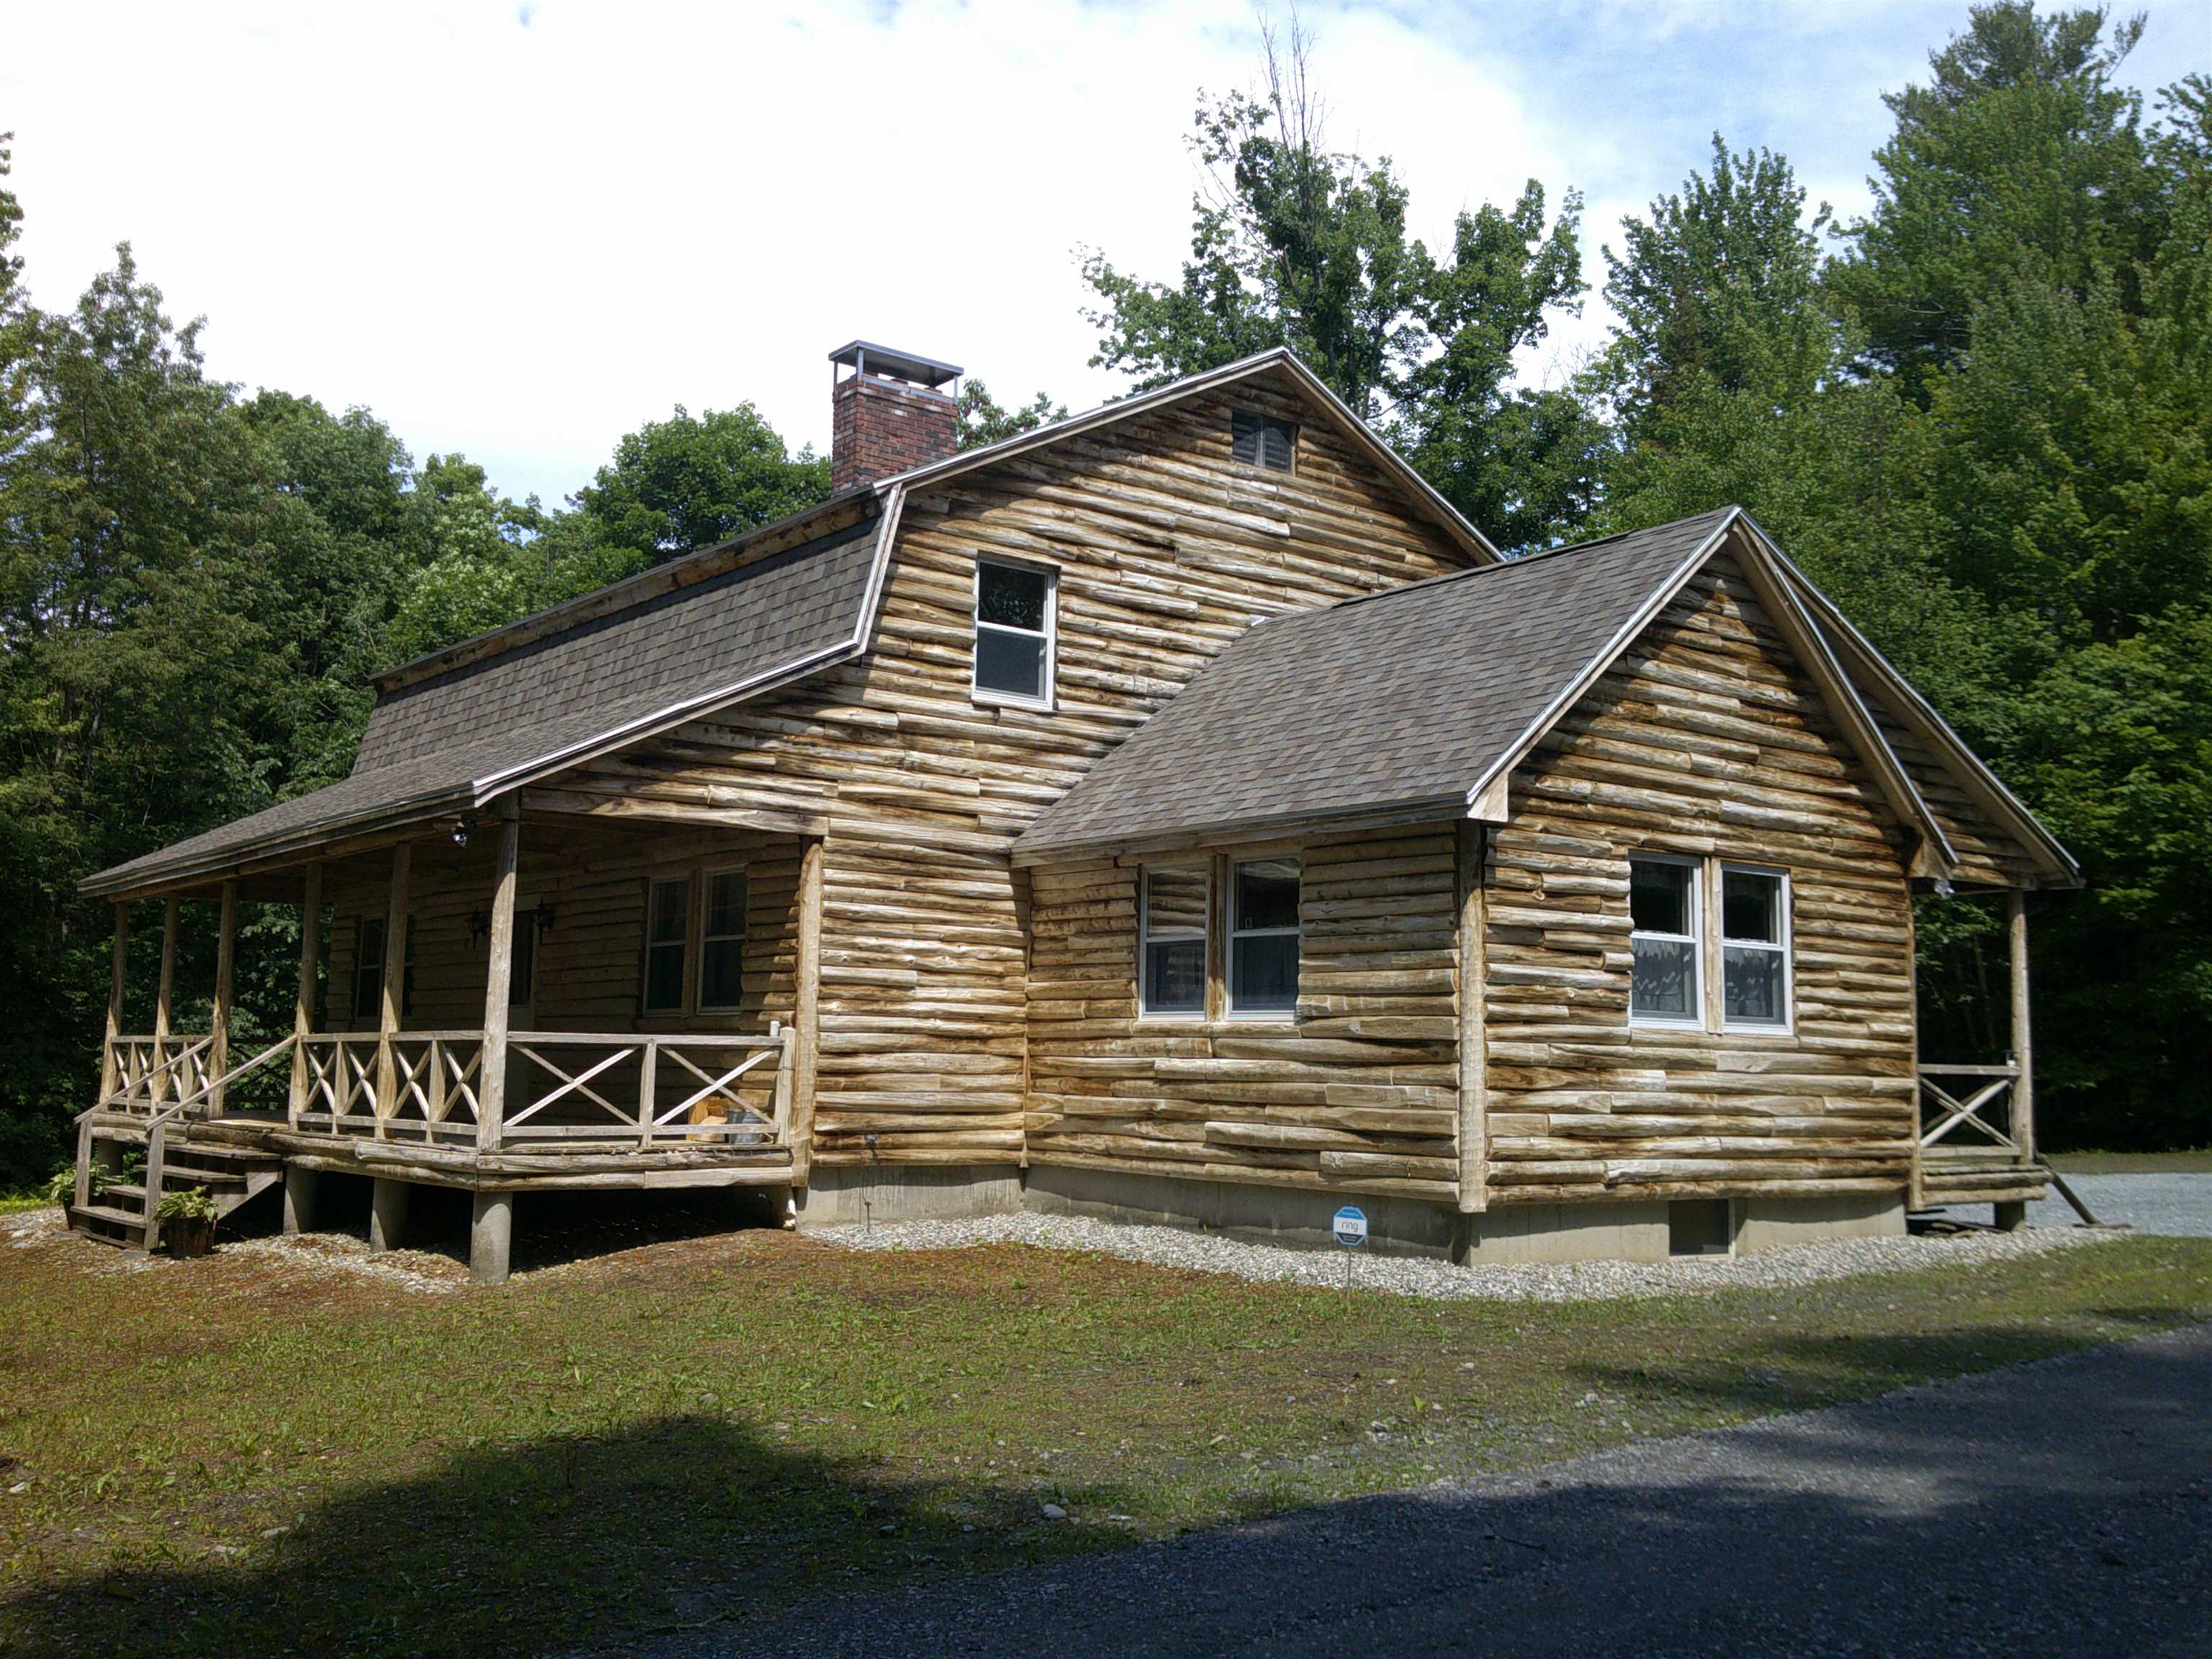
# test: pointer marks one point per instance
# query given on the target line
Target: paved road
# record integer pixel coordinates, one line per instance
(2059, 1509)
(2179, 1203)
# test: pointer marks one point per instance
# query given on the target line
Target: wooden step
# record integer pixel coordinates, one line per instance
(176, 1176)
(113, 1218)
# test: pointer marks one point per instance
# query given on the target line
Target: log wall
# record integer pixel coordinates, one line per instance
(1167, 550)
(1358, 1093)
(1707, 739)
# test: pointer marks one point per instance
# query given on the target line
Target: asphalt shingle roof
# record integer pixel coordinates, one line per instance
(437, 740)
(1402, 698)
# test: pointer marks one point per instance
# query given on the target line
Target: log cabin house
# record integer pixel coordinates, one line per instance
(1177, 812)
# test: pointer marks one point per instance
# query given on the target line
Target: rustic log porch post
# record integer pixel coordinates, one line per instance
(2015, 1214)
(299, 1183)
(387, 1213)
(111, 1074)
(807, 1013)
(491, 1229)
(226, 976)
(165, 999)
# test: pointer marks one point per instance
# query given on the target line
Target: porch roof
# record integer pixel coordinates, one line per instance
(452, 733)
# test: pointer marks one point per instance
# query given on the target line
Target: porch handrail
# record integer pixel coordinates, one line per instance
(1953, 1112)
(436, 1076)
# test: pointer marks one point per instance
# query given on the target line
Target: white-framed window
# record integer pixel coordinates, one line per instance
(722, 941)
(1263, 937)
(1667, 977)
(1172, 907)
(1016, 634)
(1754, 947)
(667, 927)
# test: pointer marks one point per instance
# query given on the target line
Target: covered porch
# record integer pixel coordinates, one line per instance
(534, 995)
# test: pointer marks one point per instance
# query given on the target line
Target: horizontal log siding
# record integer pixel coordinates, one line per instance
(1167, 550)
(1707, 739)
(1357, 1095)
(1988, 854)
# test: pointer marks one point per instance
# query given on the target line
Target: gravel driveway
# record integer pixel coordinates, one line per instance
(2059, 1508)
(2177, 1204)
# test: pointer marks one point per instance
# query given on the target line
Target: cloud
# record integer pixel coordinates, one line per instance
(523, 241)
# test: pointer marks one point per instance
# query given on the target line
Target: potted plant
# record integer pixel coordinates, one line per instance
(187, 1221)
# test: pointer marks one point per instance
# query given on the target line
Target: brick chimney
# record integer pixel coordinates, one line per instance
(889, 412)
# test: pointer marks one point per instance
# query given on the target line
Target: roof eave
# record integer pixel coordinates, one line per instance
(1248, 827)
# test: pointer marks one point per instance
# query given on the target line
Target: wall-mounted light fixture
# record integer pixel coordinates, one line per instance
(545, 914)
(463, 827)
(479, 926)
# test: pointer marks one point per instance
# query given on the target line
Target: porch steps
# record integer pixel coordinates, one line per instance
(225, 1159)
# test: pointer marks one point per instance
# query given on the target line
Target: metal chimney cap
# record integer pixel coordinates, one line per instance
(866, 357)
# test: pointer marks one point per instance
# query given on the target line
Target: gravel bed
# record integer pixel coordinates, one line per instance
(1574, 1281)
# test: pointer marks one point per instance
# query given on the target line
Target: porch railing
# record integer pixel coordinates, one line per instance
(1960, 1107)
(572, 1090)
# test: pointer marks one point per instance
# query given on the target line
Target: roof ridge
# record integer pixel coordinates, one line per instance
(1522, 560)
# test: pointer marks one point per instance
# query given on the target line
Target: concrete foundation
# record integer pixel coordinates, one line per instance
(387, 1214)
(1271, 1215)
(849, 1195)
(491, 1238)
(1510, 1233)
(1773, 1224)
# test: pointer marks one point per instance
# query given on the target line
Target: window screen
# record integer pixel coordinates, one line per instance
(1754, 948)
(1174, 924)
(1013, 631)
(722, 941)
(1662, 902)
(1262, 441)
(665, 927)
(1263, 937)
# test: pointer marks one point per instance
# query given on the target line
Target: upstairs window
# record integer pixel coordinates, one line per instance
(1014, 625)
(1662, 904)
(1262, 441)
(667, 923)
(1263, 937)
(1171, 924)
(1754, 947)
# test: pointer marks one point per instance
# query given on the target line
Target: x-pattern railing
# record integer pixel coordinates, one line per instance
(1959, 1104)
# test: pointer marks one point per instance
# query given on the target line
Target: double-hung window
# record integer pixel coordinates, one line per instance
(1014, 633)
(1668, 970)
(722, 941)
(668, 906)
(1263, 937)
(1172, 927)
(1754, 947)
(367, 967)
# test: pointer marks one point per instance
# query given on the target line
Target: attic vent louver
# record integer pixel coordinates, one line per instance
(1262, 441)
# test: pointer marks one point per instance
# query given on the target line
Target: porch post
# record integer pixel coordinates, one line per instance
(165, 998)
(111, 1076)
(807, 1013)
(226, 974)
(491, 1082)
(395, 985)
(1473, 983)
(2023, 1055)
(303, 1001)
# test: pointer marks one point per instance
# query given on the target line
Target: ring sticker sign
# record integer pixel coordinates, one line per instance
(1350, 1227)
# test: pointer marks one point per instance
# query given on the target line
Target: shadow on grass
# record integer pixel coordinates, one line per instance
(1795, 1371)
(524, 1548)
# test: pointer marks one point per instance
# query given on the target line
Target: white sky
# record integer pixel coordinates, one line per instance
(520, 230)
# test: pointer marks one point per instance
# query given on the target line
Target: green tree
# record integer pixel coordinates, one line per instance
(982, 421)
(2018, 161)
(688, 482)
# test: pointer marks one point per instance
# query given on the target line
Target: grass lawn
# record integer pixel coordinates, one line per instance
(2199, 1162)
(255, 1454)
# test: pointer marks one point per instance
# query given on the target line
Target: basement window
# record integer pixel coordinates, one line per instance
(1754, 947)
(1014, 633)
(1171, 923)
(1263, 937)
(1262, 441)
(1662, 904)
